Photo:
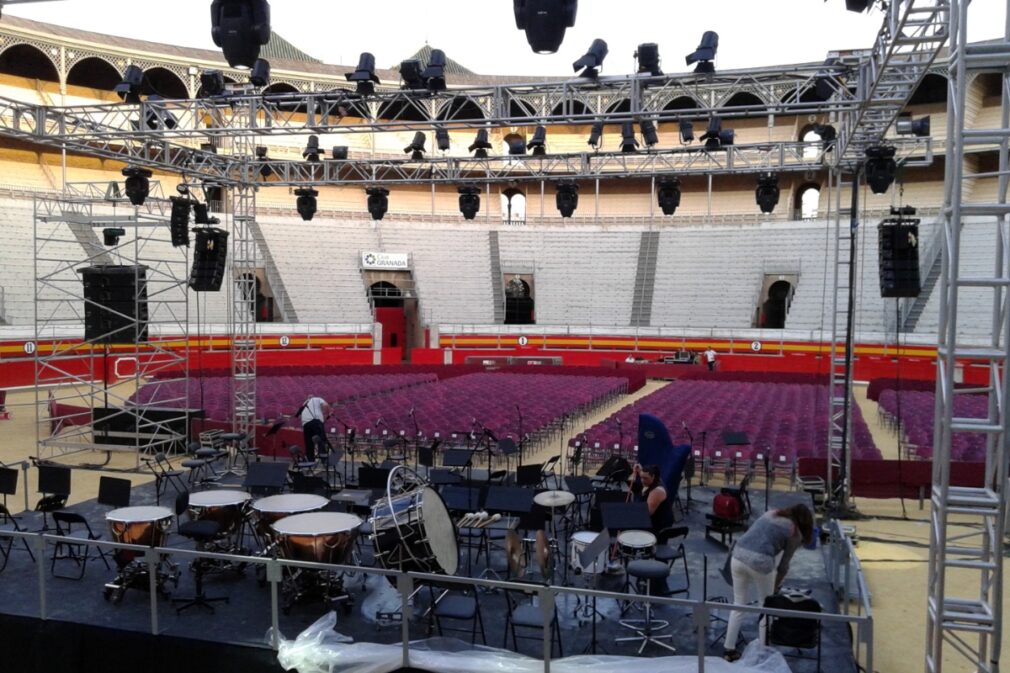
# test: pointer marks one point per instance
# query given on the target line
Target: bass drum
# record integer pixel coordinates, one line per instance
(414, 532)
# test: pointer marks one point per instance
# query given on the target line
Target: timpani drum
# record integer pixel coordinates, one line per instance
(636, 544)
(140, 525)
(580, 541)
(414, 532)
(223, 506)
(320, 537)
(266, 511)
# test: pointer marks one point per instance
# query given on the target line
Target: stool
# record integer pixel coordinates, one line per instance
(645, 571)
(235, 445)
(202, 533)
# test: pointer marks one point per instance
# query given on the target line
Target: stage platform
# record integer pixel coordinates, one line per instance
(83, 631)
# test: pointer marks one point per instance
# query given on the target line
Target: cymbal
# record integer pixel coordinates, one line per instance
(554, 499)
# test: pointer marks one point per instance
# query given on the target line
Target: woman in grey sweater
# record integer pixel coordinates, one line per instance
(761, 560)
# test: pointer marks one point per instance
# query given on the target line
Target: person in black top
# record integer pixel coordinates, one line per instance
(647, 487)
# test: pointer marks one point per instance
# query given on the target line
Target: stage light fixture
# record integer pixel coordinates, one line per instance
(628, 141)
(649, 134)
(767, 192)
(545, 22)
(648, 58)
(434, 74)
(179, 220)
(364, 75)
(668, 195)
(517, 146)
(410, 73)
(306, 202)
(416, 147)
(138, 186)
(686, 130)
(906, 126)
(442, 139)
(716, 137)
(592, 60)
(880, 168)
(705, 53)
(261, 156)
(132, 84)
(469, 201)
(340, 152)
(567, 198)
(211, 84)
(311, 152)
(240, 28)
(111, 235)
(157, 117)
(378, 202)
(857, 5)
(596, 135)
(827, 134)
(480, 145)
(539, 142)
(259, 76)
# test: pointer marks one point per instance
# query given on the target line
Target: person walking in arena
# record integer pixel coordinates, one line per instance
(710, 358)
(760, 562)
(313, 412)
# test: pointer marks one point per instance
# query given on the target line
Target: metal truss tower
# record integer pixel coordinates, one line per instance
(909, 40)
(968, 523)
(94, 407)
(242, 314)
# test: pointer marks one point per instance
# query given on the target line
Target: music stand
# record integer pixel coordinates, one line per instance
(587, 556)
(507, 447)
(442, 477)
(459, 458)
(272, 432)
(734, 438)
(461, 498)
(374, 478)
(529, 475)
(265, 478)
(625, 516)
(8, 486)
(509, 500)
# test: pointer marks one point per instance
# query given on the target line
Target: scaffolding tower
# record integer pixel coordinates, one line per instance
(967, 523)
(87, 394)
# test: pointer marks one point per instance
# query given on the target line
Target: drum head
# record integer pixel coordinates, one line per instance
(440, 531)
(218, 498)
(585, 537)
(290, 502)
(131, 514)
(636, 538)
(316, 523)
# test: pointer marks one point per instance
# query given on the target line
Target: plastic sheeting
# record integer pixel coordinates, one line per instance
(320, 649)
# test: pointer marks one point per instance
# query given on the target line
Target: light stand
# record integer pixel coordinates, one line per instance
(522, 439)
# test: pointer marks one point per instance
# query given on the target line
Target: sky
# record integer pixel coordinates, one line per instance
(481, 34)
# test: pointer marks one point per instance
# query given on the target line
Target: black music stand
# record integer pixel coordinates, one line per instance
(8, 486)
(509, 500)
(580, 487)
(443, 477)
(54, 485)
(459, 458)
(529, 475)
(589, 555)
(625, 516)
(374, 478)
(734, 438)
(507, 447)
(272, 432)
(461, 498)
(266, 478)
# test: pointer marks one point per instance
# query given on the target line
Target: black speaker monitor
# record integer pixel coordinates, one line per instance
(210, 256)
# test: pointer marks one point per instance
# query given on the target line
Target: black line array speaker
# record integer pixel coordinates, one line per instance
(115, 303)
(898, 249)
(210, 255)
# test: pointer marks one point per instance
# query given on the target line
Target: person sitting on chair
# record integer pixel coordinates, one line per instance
(647, 487)
(313, 412)
(760, 562)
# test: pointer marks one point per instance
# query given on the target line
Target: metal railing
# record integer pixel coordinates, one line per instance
(406, 583)
(845, 573)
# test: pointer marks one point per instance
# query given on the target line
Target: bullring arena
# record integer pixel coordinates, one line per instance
(352, 367)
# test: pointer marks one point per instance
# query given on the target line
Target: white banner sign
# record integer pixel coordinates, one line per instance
(384, 260)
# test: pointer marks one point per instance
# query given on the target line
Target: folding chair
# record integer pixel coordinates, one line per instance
(524, 614)
(7, 542)
(795, 632)
(164, 475)
(69, 550)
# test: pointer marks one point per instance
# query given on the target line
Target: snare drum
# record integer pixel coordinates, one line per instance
(413, 532)
(322, 537)
(271, 509)
(635, 544)
(580, 541)
(138, 525)
(224, 506)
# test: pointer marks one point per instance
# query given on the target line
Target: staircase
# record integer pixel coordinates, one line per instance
(282, 300)
(919, 304)
(645, 279)
(497, 291)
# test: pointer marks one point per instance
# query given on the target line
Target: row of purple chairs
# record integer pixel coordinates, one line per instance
(913, 418)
